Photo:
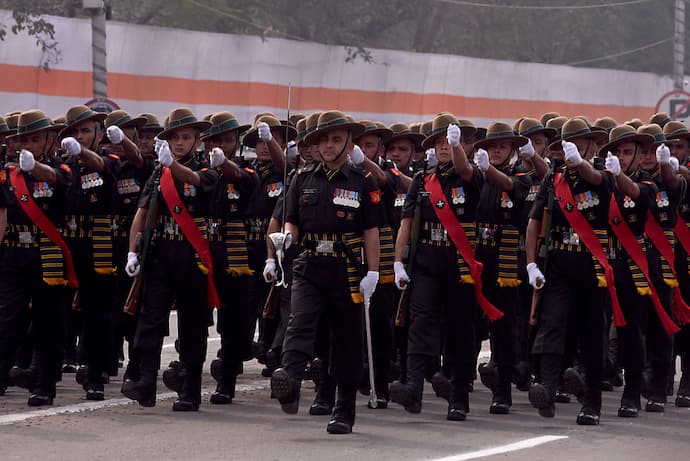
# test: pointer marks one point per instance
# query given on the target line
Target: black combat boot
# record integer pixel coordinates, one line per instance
(343, 413)
(325, 396)
(190, 397)
(409, 395)
(630, 400)
(502, 398)
(542, 395)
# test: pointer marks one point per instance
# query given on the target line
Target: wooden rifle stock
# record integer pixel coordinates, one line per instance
(134, 295)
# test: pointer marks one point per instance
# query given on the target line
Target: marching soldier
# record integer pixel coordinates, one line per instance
(228, 243)
(446, 282)
(660, 254)
(268, 137)
(334, 211)
(89, 235)
(35, 263)
(179, 266)
(498, 219)
(577, 266)
(680, 150)
(122, 132)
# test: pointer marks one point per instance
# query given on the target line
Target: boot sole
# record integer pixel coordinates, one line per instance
(402, 397)
(540, 399)
(281, 388)
(573, 383)
(441, 386)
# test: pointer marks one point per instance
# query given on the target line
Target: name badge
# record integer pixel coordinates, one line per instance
(348, 198)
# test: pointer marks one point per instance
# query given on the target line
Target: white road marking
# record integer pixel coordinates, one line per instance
(91, 406)
(521, 445)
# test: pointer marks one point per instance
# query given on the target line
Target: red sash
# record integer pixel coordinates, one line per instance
(656, 235)
(637, 254)
(457, 235)
(589, 238)
(21, 192)
(682, 233)
(190, 231)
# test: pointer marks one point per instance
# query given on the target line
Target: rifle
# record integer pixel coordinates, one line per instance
(145, 242)
(544, 238)
(403, 312)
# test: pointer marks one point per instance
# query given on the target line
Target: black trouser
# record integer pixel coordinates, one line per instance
(631, 353)
(233, 316)
(659, 345)
(502, 331)
(171, 274)
(285, 299)
(258, 292)
(682, 339)
(571, 293)
(95, 298)
(522, 312)
(21, 282)
(320, 288)
(381, 312)
(438, 302)
(124, 325)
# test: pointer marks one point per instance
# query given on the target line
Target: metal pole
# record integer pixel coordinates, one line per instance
(99, 55)
(679, 46)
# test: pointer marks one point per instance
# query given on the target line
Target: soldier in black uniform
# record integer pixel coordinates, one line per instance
(268, 138)
(33, 268)
(573, 277)
(122, 131)
(228, 243)
(671, 191)
(498, 219)
(442, 295)
(680, 149)
(334, 211)
(633, 196)
(178, 266)
(89, 234)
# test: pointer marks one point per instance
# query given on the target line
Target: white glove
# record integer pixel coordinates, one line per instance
(675, 164)
(264, 132)
(481, 158)
(613, 164)
(528, 150)
(115, 134)
(571, 154)
(536, 278)
(270, 273)
(132, 268)
(26, 160)
(71, 146)
(401, 277)
(357, 156)
(453, 135)
(368, 284)
(216, 157)
(162, 148)
(292, 151)
(431, 159)
(663, 155)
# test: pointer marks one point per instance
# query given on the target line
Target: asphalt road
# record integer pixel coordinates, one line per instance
(254, 427)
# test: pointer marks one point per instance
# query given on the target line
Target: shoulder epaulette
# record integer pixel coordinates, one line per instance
(204, 169)
(394, 171)
(114, 157)
(65, 168)
(249, 170)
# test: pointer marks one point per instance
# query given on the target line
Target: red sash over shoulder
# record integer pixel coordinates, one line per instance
(682, 233)
(656, 234)
(637, 254)
(190, 231)
(584, 230)
(21, 192)
(457, 235)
